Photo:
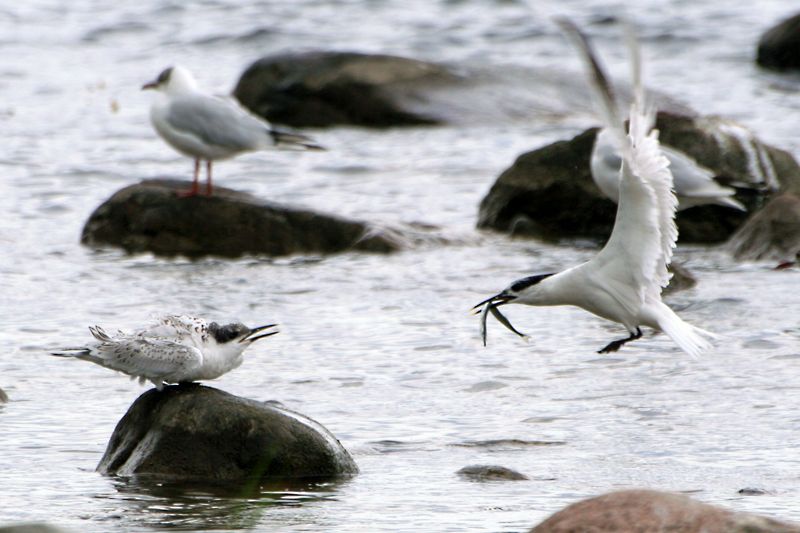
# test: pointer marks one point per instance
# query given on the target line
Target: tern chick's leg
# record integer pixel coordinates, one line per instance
(613, 346)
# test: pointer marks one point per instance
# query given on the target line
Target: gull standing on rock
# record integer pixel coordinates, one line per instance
(210, 128)
(176, 349)
(694, 184)
(623, 282)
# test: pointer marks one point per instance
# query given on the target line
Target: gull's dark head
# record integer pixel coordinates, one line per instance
(238, 332)
(161, 81)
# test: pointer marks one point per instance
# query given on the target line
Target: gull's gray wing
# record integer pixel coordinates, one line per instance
(217, 121)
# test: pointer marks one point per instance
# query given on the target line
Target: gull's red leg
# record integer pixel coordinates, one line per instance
(208, 178)
(195, 183)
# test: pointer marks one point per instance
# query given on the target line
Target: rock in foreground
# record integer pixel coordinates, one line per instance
(634, 511)
(192, 432)
(779, 47)
(151, 217)
(773, 233)
(549, 193)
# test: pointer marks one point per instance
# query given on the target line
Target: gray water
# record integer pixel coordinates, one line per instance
(380, 349)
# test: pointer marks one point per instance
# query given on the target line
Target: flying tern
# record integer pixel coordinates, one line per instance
(210, 128)
(623, 282)
(175, 349)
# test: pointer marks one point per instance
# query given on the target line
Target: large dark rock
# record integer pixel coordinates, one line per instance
(549, 193)
(315, 89)
(773, 233)
(779, 47)
(152, 217)
(635, 511)
(192, 432)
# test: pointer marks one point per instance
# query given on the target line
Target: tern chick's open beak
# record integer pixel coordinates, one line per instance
(252, 337)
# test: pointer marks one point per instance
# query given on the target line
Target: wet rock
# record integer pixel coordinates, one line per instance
(3, 396)
(779, 47)
(151, 217)
(194, 432)
(632, 511)
(773, 233)
(490, 473)
(33, 527)
(316, 89)
(752, 491)
(549, 193)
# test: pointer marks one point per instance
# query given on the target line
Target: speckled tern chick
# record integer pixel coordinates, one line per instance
(175, 349)
(210, 128)
(623, 282)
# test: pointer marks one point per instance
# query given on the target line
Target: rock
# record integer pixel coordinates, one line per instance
(32, 527)
(192, 432)
(316, 89)
(779, 47)
(151, 217)
(681, 279)
(549, 193)
(633, 511)
(490, 473)
(773, 233)
(3, 396)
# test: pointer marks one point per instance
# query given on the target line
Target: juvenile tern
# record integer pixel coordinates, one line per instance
(176, 349)
(694, 184)
(210, 128)
(623, 282)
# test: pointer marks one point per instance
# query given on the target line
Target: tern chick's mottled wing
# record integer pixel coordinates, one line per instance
(694, 184)
(176, 349)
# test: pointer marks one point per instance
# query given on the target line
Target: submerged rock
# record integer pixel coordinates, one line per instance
(315, 89)
(633, 511)
(549, 193)
(195, 432)
(779, 47)
(773, 233)
(31, 527)
(3, 396)
(151, 217)
(490, 473)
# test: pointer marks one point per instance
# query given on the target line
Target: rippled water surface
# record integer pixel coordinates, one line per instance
(380, 349)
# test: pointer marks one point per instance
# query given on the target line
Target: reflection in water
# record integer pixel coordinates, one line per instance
(158, 503)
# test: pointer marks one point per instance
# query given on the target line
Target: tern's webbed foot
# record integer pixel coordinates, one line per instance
(613, 346)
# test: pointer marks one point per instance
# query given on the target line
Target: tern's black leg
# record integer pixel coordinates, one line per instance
(613, 346)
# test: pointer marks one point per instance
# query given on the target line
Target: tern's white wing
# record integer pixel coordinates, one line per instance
(635, 258)
(176, 327)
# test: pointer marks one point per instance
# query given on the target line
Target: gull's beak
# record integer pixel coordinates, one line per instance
(251, 338)
(149, 85)
(496, 300)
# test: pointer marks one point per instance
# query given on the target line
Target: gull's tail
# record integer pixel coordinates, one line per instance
(292, 141)
(691, 339)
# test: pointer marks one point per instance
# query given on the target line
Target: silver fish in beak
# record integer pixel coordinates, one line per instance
(490, 305)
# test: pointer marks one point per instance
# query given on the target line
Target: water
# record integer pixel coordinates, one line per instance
(379, 349)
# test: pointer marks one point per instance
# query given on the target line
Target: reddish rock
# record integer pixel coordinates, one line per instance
(649, 511)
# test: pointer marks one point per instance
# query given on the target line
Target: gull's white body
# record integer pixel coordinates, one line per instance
(175, 349)
(694, 184)
(202, 126)
(623, 282)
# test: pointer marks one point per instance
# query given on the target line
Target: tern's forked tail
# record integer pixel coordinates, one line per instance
(691, 339)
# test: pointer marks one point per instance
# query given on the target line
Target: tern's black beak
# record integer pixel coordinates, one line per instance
(496, 300)
(252, 337)
(149, 85)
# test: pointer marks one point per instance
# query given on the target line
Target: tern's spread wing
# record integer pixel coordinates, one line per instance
(635, 258)
(216, 121)
(151, 358)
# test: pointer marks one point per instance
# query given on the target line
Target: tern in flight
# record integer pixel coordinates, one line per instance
(210, 128)
(623, 282)
(176, 349)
